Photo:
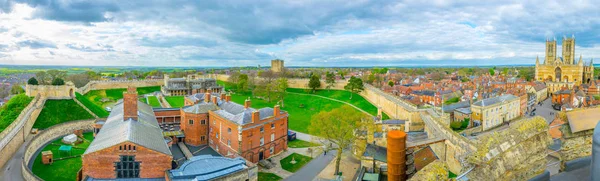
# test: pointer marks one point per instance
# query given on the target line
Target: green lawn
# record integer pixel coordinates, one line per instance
(265, 176)
(301, 160)
(11, 110)
(175, 101)
(344, 96)
(62, 169)
(96, 109)
(107, 97)
(60, 111)
(143, 99)
(153, 101)
(301, 144)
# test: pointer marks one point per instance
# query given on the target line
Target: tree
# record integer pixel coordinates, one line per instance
(336, 129)
(282, 85)
(32, 81)
(314, 83)
(58, 81)
(355, 85)
(242, 84)
(330, 80)
(492, 72)
(505, 71)
(16, 89)
(391, 83)
(42, 77)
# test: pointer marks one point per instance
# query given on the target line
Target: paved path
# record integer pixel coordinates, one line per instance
(185, 150)
(313, 168)
(12, 169)
(332, 100)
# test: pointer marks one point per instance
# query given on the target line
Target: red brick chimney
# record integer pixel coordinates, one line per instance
(247, 103)
(222, 97)
(207, 97)
(130, 106)
(214, 99)
(276, 110)
(228, 98)
(255, 117)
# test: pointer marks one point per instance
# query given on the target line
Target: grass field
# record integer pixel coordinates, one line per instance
(107, 97)
(344, 96)
(153, 101)
(96, 109)
(11, 110)
(175, 101)
(301, 160)
(265, 176)
(61, 169)
(301, 144)
(59, 111)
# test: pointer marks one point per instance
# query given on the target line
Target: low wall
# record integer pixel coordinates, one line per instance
(15, 134)
(66, 91)
(98, 85)
(48, 135)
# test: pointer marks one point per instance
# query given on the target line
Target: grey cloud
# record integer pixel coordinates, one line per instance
(84, 48)
(36, 44)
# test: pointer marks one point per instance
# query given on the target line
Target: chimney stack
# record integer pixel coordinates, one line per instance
(222, 97)
(255, 117)
(214, 99)
(228, 98)
(247, 103)
(207, 97)
(130, 100)
(276, 110)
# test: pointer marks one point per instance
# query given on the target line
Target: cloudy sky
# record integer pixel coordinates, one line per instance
(301, 32)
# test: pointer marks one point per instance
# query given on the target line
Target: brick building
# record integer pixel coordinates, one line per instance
(130, 144)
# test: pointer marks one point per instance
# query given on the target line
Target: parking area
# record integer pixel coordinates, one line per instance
(545, 110)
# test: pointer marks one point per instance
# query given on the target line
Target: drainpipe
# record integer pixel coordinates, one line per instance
(596, 153)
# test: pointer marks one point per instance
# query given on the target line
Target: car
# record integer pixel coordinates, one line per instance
(532, 114)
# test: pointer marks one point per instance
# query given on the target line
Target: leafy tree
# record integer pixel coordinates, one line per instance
(391, 83)
(355, 85)
(16, 89)
(314, 83)
(42, 77)
(505, 71)
(282, 85)
(336, 129)
(330, 80)
(58, 81)
(32, 81)
(492, 72)
(242, 84)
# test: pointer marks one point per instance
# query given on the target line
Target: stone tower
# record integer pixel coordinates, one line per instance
(277, 66)
(568, 50)
(550, 51)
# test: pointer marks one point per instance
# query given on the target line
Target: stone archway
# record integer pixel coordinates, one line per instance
(71, 93)
(557, 74)
(566, 78)
(588, 80)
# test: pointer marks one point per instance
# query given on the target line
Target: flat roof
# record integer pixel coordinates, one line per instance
(583, 119)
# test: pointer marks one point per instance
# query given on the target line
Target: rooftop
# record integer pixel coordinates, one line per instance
(207, 167)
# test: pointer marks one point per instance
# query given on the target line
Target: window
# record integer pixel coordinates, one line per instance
(272, 125)
(191, 121)
(262, 129)
(272, 136)
(229, 130)
(262, 141)
(202, 138)
(133, 148)
(203, 122)
(120, 147)
(127, 167)
(272, 150)
(217, 135)
(229, 143)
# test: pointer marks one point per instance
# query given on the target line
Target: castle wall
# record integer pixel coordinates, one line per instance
(66, 91)
(98, 85)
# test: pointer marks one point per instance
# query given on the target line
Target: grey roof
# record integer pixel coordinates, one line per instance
(452, 107)
(379, 152)
(144, 132)
(465, 110)
(200, 108)
(494, 100)
(207, 167)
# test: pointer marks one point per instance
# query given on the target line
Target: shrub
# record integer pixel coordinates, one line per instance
(456, 125)
(32, 81)
(58, 81)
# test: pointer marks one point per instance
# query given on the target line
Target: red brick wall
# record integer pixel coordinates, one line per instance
(195, 132)
(100, 164)
(171, 116)
(220, 125)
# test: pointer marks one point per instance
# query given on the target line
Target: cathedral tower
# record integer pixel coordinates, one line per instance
(568, 50)
(550, 51)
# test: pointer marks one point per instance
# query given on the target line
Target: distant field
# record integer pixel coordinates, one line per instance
(153, 101)
(175, 101)
(11, 110)
(60, 111)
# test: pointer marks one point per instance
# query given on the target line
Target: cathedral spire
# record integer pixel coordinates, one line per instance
(580, 59)
(537, 60)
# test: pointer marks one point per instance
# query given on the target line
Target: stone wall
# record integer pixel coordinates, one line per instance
(98, 85)
(66, 91)
(574, 145)
(15, 134)
(250, 174)
(48, 135)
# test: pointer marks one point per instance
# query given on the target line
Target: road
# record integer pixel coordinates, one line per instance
(313, 168)
(12, 169)
(545, 110)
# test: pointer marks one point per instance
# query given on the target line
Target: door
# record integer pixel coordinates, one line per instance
(260, 156)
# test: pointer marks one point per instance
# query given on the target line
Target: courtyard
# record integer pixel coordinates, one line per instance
(64, 167)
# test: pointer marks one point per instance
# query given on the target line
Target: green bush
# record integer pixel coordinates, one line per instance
(11, 110)
(465, 123)
(456, 125)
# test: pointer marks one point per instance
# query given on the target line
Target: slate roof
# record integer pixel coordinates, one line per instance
(144, 132)
(200, 108)
(240, 115)
(207, 167)
(494, 100)
(379, 152)
(452, 107)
